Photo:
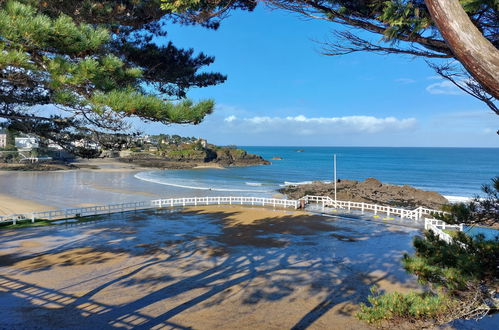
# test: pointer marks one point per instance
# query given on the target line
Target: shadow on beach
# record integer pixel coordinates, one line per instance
(213, 267)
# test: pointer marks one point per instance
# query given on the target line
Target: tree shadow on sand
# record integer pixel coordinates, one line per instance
(268, 260)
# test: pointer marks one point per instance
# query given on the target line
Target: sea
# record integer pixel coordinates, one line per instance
(457, 173)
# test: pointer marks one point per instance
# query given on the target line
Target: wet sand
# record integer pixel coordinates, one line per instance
(67, 189)
(13, 205)
(214, 267)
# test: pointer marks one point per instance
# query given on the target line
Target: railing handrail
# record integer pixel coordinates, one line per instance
(438, 226)
(128, 206)
(415, 214)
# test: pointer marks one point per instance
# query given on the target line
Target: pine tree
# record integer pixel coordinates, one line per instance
(72, 70)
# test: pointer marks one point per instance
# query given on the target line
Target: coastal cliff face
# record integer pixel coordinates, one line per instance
(370, 191)
(181, 157)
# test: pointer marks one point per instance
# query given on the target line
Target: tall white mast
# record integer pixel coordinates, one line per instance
(335, 177)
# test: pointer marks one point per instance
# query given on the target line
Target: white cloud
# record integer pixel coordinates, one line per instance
(303, 125)
(230, 118)
(444, 87)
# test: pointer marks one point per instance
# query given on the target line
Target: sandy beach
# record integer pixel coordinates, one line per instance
(216, 267)
(98, 182)
(13, 205)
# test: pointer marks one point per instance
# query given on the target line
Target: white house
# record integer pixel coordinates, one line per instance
(26, 143)
(86, 144)
(3, 140)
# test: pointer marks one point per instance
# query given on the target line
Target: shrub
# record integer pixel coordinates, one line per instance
(412, 307)
(459, 276)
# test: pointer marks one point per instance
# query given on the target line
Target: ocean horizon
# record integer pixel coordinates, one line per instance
(457, 173)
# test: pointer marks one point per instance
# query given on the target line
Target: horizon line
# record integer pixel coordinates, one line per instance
(312, 146)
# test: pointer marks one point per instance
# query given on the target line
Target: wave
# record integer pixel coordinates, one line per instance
(458, 199)
(254, 184)
(288, 183)
(144, 177)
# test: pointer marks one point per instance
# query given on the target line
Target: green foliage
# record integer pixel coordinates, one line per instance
(207, 13)
(25, 223)
(237, 153)
(481, 210)
(186, 154)
(452, 271)
(410, 307)
(9, 156)
(453, 266)
(97, 61)
(26, 29)
(457, 213)
(180, 5)
(404, 18)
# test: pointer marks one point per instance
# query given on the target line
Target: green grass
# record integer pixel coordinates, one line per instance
(452, 233)
(26, 223)
(412, 307)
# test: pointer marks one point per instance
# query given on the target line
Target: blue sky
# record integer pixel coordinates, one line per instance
(282, 91)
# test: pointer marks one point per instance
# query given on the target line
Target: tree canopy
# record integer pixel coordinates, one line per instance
(100, 63)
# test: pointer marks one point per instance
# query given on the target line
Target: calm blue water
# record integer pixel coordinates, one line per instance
(488, 233)
(449, 171)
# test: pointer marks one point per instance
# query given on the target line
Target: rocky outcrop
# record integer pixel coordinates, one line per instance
(370, 191)
(189, 157)
(238, 157)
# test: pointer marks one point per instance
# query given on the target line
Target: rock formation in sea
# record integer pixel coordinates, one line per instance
(370, 191)
(190, 155)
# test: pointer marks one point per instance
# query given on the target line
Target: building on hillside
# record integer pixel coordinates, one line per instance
(27, 143)
(86, 144)
(3, 140)
(54, 146)
(203, 142)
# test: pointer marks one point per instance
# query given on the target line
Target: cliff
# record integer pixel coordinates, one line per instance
(192, 155)
(370, 191)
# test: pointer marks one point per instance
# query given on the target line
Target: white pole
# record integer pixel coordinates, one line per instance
(335, 179)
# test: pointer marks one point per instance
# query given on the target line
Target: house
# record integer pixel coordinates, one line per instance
(203, 142)
(86, 144)
(3, 140)
(27, 143)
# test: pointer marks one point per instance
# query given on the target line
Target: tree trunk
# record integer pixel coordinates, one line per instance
(470, 47)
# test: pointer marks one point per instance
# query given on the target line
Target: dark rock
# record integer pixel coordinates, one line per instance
(370, 191)
(189, 158)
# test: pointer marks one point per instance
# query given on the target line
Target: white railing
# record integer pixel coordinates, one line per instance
(225, 200)
(438, 227)
(75, 212)
(132, 206)
(415, 214)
